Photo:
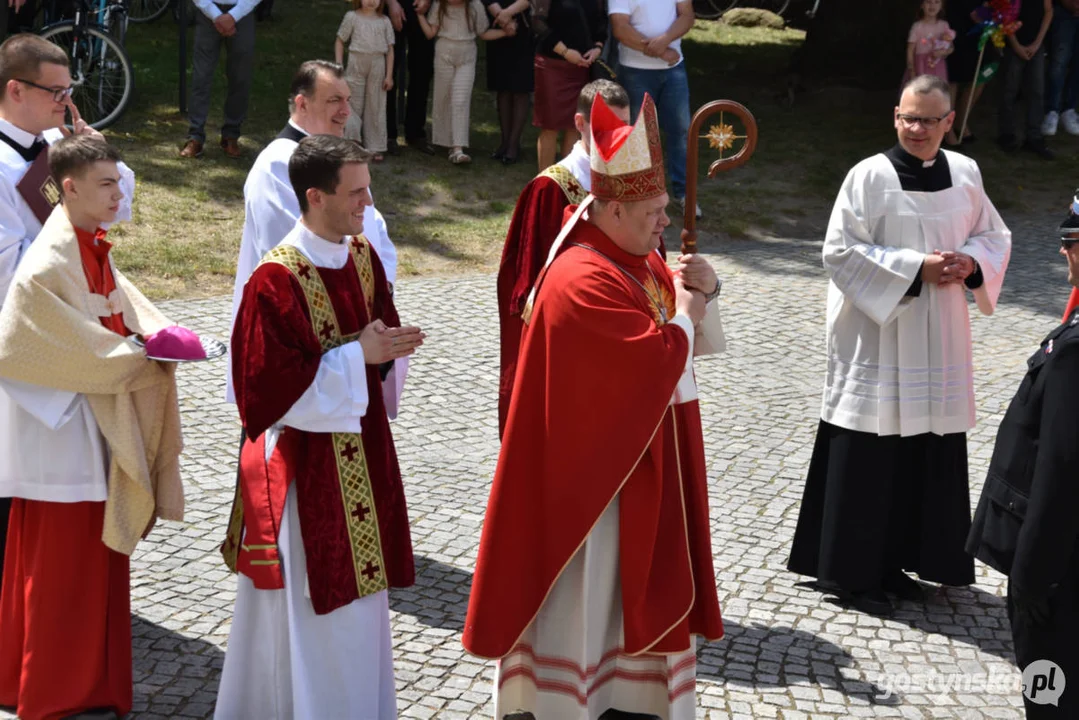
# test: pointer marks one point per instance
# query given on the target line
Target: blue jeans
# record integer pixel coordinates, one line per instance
(670, 90)
(1063, 62)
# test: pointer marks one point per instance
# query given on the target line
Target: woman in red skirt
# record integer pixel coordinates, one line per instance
(570, 36)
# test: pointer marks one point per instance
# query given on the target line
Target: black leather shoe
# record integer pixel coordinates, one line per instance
(871, 602)
(1008, 143)
(1040, 149)
(422, 145)
(392, 148)
(903, 586)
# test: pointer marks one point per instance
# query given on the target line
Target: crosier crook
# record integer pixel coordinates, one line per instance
(721, 137)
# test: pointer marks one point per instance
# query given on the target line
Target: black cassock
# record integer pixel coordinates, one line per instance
(874, 503)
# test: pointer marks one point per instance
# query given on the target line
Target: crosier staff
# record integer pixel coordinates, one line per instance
(720, 137)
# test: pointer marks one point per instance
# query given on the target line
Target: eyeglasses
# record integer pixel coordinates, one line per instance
(1068, 243)
(58, 94)
(928, 123)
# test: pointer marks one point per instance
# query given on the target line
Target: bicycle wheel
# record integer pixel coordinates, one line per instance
(144, 11)
(777, 6)
(712, 9)
(100, 72)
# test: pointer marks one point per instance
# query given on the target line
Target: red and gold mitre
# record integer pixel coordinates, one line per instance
(627, 160)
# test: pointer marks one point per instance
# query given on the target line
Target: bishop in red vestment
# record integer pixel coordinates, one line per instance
(536, 222)
(595, 564)
(322, 529)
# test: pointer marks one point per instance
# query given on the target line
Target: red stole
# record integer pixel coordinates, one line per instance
(590, 419)
(94, 251)
(275, 355)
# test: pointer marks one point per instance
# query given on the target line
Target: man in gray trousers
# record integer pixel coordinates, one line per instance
(231, 24)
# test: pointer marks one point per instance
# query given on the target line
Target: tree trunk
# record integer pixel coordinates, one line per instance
(858, 41)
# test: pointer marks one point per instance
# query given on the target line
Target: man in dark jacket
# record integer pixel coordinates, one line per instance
(1026, 523)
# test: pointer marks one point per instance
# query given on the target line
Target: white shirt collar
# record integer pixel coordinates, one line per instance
(17, 134)
(322, 252)
(297, 127)
(579, 164)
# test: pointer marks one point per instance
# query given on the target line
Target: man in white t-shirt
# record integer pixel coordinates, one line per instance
(650, 55)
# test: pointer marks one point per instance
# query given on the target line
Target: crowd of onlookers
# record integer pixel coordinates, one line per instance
(1038, 67)
(540, 54)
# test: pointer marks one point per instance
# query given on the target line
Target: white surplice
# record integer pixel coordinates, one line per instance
(900, 365)
(271, 211)
(18, 224)
(283, 660)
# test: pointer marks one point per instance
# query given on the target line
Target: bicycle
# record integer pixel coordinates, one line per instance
(712, 9)
(144, 11)
(101, 73)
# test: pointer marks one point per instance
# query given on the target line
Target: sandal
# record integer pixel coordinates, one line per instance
(458, 157)
(378, 157)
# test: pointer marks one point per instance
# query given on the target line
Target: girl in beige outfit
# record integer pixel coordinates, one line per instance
(457, 24)
(369, 35)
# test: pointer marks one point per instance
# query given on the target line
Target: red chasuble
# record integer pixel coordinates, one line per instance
(590, 418)
(536, 222)
(275, 355)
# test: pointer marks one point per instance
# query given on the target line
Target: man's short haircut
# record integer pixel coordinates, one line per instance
(317, 162)
(306, 77)
(612, 93)
(73, 156)
(22, 55)
(925, 84)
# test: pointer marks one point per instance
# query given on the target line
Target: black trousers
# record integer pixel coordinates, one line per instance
(1056, 641)
(413, 50)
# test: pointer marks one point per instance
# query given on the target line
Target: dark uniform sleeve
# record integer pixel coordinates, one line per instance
(1048, 537)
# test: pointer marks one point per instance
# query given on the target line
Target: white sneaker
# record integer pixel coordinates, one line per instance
(1049, 124)
(1070, 120)
(681, 202)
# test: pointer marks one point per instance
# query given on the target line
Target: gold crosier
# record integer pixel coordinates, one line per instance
(358, 501)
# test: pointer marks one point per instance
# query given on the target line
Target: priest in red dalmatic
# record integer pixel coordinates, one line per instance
(594, 575)
(537, 220)
(322, 529)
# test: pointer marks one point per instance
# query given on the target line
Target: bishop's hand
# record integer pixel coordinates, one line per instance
(688, 302)
(697, 273)
(381, 344)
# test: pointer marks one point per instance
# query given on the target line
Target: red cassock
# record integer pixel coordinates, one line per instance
(276, 354)
(536, 221)
(591, 418)
(1073, 302)
(59, 656)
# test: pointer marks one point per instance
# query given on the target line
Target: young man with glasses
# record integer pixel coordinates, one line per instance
(35, 94)
(1025, 523)
(886, 492)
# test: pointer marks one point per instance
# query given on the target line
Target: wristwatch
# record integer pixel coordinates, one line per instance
(709, 297)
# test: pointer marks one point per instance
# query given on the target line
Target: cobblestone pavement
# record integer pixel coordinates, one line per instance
(788, 652)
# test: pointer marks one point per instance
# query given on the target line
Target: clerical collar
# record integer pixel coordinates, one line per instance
(292, 131)
(579, 164)
(320, 251)
(917, 175)
(17, 134)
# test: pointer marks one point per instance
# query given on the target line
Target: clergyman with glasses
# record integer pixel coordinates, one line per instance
(911, 233)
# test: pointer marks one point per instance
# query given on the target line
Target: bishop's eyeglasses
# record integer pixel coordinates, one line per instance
(59, 95)
(928, 123)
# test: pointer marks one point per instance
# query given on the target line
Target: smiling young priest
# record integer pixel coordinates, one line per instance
(594, 574)
(323, 528)
(89, 450)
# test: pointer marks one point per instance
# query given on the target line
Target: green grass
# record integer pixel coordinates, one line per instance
(446, 219)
